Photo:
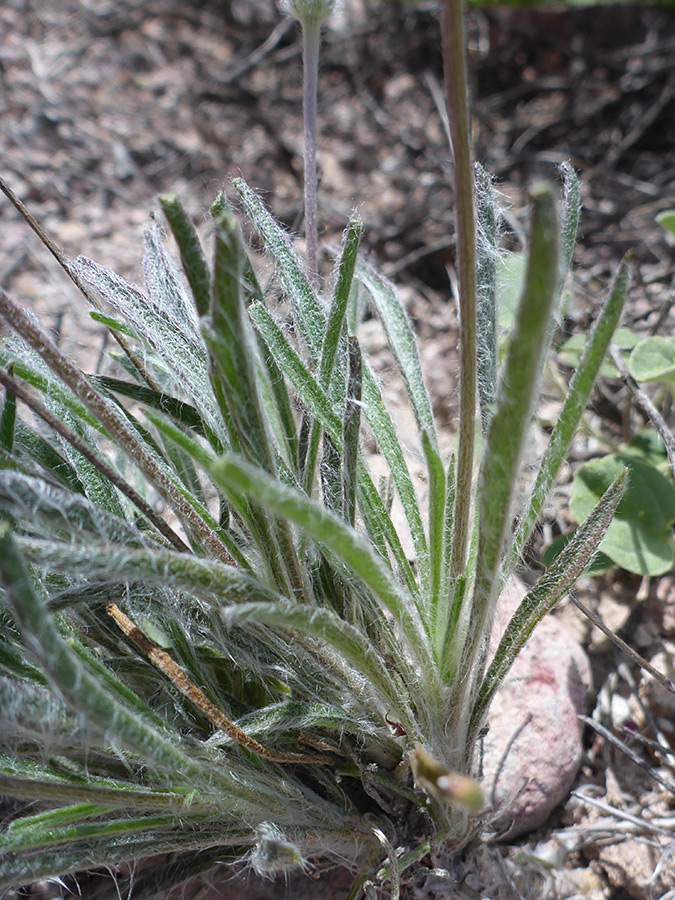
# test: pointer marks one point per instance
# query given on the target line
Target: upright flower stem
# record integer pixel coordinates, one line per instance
(454, 65)
(311, 37)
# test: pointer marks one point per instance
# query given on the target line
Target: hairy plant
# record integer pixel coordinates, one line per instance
(212, 642)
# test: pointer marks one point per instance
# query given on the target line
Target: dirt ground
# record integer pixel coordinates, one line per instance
(106, 103)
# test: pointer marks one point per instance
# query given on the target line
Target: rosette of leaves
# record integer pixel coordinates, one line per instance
(212, 642)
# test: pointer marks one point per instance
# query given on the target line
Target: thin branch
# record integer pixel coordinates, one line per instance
(178, 677)
(70, 271)
(622, 645)
(14, 387)
(621, 814)
(115, 424)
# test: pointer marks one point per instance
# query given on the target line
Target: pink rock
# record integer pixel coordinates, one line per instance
(533, 749)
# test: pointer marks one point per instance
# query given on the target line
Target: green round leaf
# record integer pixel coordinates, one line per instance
(648, 446)
(640, 538)
(570, 351)
(667, 219)
(653, 359)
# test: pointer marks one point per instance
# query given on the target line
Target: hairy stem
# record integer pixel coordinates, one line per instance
(454, 65)
(311, 38)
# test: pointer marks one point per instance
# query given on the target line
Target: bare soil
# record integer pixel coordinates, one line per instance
(106, 103)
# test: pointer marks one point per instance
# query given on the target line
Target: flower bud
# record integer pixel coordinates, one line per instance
(310, 12)
(449, 788)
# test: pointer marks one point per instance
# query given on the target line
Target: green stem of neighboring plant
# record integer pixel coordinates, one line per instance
(454, 64)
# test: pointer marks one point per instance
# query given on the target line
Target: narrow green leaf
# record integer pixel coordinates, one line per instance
(437, 500)
(573, 407)
(214, 582)
(49, 386)
(165, 325)
(545, 594)
(78, 687)
(97, 486)
(8, 417)
(294, 716)
(570, 221)
(380, 528)
(338, 538)
(331, 476)
(45, 508)
(380, 421)
(181, 412)
(43, 452)
(347, 641)
(47, 786)
(55, 783)
(350, 432)
(90, 854)
(231, 345)
(107, 416)
(114, 325)
(295, 370)
(252, 293)
(343, 284)
(14, 661)
(448, 520)
(508, 426)
(334, 331)
(320, 407)
(204, 458)
(33, 837)
(307, 312)
(403, 343)
(234, 377)
(487, 254)
(63, 816)
(190, 249)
